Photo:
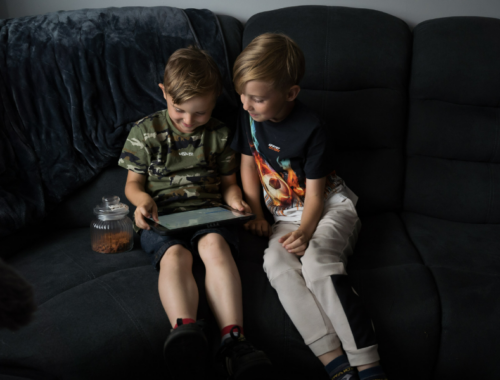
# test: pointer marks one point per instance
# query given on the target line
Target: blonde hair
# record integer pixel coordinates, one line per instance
(270, 57)
(191, 72)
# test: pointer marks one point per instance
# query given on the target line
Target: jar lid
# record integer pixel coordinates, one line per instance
(111, 207)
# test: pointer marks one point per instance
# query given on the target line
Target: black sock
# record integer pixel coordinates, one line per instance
(373, 373)
(340, 369)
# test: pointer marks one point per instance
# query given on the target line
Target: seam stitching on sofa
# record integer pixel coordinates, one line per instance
(325, 67)
(490, 203)
(87, 272)
(435, 364)
(445, 220)
(453, 103)
(450, 159)
(118, 300)
(86, 282)
(492, 174)
(352, 90)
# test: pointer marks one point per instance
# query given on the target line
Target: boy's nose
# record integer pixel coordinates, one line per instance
(246, 106)
(188, 119)
(244, 100)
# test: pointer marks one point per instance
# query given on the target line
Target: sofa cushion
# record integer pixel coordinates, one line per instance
(104, 310)
(470, 330)
(454, 130)
(464, 247)
(400, 295)
(356, 78)
(465, 262)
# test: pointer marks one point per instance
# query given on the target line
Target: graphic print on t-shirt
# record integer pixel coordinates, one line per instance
(283, 190)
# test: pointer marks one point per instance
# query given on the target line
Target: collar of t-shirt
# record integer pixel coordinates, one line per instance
(197, 130)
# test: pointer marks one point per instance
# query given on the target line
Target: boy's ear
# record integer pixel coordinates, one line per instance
(292, 93)
(163, 90)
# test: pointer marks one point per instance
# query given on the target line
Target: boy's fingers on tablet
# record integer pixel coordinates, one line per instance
(139, 220)
(155, 213)
(246, 207)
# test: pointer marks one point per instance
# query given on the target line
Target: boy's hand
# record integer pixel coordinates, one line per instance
(295, 242)
(239, 204)
(146, 210)
(259, 226)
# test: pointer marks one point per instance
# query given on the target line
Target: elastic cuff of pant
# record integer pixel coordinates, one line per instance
(325, 344)
(363, 356)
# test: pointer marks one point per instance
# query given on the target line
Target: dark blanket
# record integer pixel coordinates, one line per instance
(71, 85)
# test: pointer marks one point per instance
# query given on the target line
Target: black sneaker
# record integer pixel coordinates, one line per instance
(237, 359)
(186, 351)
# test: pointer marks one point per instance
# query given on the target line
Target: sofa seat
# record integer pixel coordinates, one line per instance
(100, 308)
(399, 291)
(464, 259)
(72, 284)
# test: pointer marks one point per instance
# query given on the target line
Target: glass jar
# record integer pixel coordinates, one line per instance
(111, 231)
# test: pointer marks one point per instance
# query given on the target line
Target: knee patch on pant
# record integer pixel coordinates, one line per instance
(359, 321)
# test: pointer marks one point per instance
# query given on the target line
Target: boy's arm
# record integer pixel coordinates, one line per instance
(252, 189)
(145, 205)
(296, 242)
(231, 193)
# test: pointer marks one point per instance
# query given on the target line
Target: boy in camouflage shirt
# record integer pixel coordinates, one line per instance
(179, 159)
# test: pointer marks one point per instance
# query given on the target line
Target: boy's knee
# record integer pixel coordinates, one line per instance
(279, 260)
(314, 269)
(176, 253)
(213, 247)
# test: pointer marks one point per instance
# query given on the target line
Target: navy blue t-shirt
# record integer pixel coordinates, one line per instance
(286, 153)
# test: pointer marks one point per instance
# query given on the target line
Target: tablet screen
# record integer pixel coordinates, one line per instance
(196, 217)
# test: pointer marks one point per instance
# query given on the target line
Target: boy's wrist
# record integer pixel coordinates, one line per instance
(307, 233)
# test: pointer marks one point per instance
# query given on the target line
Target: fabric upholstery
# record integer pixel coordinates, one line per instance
(400, 293)
(72, 83)
(357, 68)
(454, 121)
(426, 265)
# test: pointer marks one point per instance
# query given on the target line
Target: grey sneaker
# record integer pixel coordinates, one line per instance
(186, 351)
(348, 373)
(237, 359)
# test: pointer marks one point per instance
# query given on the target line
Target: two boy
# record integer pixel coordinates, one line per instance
(179, 159)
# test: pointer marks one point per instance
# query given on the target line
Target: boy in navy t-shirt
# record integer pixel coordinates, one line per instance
(285, 145)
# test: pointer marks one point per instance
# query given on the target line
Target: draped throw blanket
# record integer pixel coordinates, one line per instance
(71, 85)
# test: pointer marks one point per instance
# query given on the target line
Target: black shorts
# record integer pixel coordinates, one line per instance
(156, 244)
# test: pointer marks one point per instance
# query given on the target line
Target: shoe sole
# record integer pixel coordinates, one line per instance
(258, 369)
(186, 355)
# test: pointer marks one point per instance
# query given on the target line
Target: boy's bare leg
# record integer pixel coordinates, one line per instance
(176, 284)
(366, 366)
(329, 356)
(222, 282)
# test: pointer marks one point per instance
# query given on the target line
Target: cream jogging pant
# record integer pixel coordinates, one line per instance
(314, 290)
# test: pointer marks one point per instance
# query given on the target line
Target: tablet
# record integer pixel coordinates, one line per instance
(197, 219)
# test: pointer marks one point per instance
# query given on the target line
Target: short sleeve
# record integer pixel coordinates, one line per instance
(228, 161)
(240, 142)
(135, 154)
(319, 155)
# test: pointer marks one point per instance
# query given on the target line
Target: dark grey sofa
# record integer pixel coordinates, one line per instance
(415, 122)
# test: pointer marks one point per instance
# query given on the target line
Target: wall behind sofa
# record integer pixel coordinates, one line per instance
(411, 11)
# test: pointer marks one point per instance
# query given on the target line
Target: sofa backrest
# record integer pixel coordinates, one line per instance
(453, 170)
(73, 83)
(357, 69)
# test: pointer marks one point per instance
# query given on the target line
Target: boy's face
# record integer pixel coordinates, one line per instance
(263, 102)
(190, 114)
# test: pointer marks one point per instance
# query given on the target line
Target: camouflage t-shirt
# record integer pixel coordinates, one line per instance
(183, 169)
